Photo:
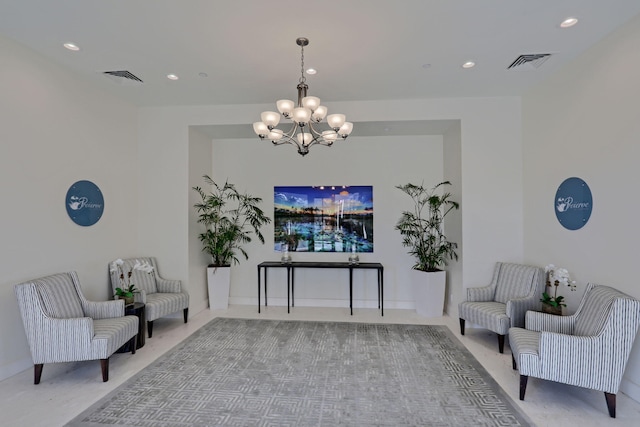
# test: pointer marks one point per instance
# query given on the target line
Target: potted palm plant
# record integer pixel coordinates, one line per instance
(422, 231)
(231, 219)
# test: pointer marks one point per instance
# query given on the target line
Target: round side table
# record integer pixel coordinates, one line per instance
(136, 309)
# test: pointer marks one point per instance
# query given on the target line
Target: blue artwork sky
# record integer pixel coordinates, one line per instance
(308, 196)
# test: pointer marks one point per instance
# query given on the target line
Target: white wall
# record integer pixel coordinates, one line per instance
(452, 161)
(200, 163)
(491, 188)
(383, 162)
(56, 130)
(583, 122)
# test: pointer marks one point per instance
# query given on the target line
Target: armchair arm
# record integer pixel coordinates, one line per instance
(583, 361)
(484, 293)
(103, 309)
(537, 321)
(60, 340)
(518, 307)
(168, 286)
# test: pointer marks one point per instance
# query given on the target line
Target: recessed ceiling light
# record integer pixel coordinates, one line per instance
(569, 22)
(469, 64)
(172, 77)
(311, 71)
(71, 46)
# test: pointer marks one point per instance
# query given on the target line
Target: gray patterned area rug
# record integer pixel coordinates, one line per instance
(240, 372)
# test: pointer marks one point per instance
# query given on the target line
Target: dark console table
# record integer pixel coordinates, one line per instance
(291, 267)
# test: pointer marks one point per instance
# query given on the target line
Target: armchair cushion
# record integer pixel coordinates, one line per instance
(491, 315)
(59, 297)
(594, 312)
(514, 281)
(144, 281)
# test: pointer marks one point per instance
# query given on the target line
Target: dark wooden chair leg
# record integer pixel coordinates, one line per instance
(523, 385)
(501, 343)
(104, 364)
(150, 328)
(186, 314)
(133, 342)
(461, 326)
(611, 403)
(513, 361)
(37, 372)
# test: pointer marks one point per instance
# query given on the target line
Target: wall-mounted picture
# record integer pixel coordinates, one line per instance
(323, 219)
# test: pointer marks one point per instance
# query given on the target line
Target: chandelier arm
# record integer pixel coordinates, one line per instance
(320, 141)
(319, 137)
(314, 131)
(289, 137)
(292, 130)
(282, 141)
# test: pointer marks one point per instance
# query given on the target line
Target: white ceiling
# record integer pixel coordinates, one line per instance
(362, 49)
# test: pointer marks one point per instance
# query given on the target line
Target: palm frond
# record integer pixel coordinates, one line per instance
(422, 229)
(230, 218)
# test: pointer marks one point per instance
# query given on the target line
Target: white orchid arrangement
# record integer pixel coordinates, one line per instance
(126, 288)
(555, 278)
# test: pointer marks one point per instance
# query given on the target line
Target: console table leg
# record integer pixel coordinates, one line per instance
(381, 292)
(351, 290)
(378, 288)
(288, 286)
(258, 289)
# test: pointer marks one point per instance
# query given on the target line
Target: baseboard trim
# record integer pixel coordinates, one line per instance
(14, 368)
(631, 389)
(333, 303)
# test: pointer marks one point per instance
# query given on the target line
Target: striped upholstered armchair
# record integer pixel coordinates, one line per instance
(63, 326)
(588, 349)
(514, 289)
(160, 296)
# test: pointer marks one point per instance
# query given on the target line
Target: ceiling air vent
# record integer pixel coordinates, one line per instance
(123, 77)
(529, 62)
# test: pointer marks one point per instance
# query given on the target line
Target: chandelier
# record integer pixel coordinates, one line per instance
(305, 117)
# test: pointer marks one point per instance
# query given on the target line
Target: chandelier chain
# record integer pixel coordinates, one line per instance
(303, 79)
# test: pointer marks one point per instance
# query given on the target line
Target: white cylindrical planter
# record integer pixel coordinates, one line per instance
(218, 283)
(428, 292)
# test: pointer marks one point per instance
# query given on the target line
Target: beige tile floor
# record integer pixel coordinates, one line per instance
(69, 388)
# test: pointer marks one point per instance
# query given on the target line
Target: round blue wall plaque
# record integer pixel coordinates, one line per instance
(573, 203)
(84, 203)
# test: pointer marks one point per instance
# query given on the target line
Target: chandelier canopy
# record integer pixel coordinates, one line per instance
(305, 117)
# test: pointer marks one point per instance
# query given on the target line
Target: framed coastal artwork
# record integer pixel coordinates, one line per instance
(323, 218)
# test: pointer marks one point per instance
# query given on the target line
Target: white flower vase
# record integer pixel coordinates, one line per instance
(286, 258)
(354, 258)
